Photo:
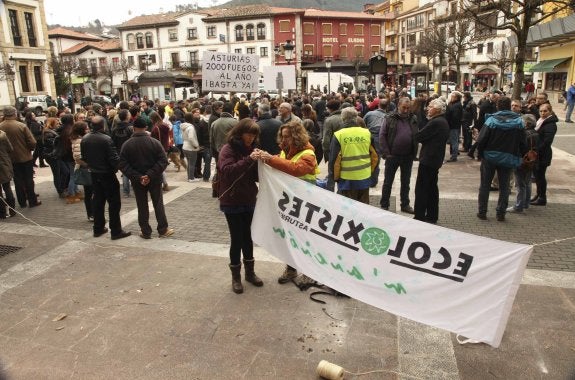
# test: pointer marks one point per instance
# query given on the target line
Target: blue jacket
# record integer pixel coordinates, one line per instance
(502, 139)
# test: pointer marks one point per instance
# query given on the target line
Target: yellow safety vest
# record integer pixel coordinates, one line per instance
(306, 177)
(355, 158)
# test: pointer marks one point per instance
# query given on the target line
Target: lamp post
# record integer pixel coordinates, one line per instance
(10, 75)
(328, 67)
(276, 53)
(288, 51)
(147, 60)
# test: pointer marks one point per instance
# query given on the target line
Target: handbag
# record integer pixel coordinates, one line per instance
(82, 176)
(529, 158)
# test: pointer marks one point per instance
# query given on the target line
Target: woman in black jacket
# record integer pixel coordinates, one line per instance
(36, 128)
(546, 127)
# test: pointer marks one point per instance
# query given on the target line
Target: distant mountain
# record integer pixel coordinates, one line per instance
(330, 5)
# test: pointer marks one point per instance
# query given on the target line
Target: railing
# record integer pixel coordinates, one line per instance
(193, 66)
(391, 32)
(391, 47)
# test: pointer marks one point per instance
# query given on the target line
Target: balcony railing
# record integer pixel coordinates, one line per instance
(194, 66)
(391, 47)
(391, 32)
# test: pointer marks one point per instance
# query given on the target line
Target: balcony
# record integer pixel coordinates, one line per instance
(193, 66)
(389, 47)
(391, 32)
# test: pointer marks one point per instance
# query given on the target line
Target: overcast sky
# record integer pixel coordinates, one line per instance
(80, 12)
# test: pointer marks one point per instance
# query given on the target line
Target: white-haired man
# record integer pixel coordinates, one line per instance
(432, 137)
(285, 114)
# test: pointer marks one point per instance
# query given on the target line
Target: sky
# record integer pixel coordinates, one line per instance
(80, 12)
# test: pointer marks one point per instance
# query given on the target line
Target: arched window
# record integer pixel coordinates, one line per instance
(131, 41)
(149, 40)
(250, 36)
(261, 31)
(140, 41)
(239, 33)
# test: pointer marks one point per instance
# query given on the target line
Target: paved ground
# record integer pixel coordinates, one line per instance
(163, 308)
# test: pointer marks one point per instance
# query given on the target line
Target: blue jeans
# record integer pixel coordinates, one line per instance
(206, 155)
(523, 185)
(125, 184)
(392, 163)
(487, 173)
(375, 174)
(454, 142)
(72, 187)
(569, 110)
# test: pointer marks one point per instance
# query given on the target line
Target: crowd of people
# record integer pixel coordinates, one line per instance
(354, 134)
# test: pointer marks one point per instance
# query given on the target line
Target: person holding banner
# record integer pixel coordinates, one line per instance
(237, 174)
(297, 158)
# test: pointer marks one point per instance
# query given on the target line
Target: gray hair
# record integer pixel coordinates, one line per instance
(529, 121)
(9, 111)
(348, 114)
(438, 104)
(263, 108)
(285, 105)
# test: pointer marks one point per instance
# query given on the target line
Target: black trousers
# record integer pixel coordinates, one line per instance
(426, 205)
(106, 189)
(241, 236)
(24, 183)
(541, 180)
(154, 188)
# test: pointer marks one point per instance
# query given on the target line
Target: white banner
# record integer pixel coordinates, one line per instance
(230, 72)
(456, 281)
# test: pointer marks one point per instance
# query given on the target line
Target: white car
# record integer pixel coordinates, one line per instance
(445, 86)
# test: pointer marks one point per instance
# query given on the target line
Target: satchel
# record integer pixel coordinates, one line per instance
(529, 158)
(82, 176)
(215, 187)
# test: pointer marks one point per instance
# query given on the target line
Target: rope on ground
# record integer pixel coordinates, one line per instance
(554, 241)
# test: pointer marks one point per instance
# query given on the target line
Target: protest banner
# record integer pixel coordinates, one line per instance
(230, 72)
(444, 278)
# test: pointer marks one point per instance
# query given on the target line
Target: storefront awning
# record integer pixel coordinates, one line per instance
(547, 66)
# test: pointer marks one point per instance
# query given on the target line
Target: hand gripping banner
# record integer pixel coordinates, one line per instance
(444, 278)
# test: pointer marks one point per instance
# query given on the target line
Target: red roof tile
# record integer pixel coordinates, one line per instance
(63, 32)
(157, 19)
(105, 46)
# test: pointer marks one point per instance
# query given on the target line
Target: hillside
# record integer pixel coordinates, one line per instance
(331, 5)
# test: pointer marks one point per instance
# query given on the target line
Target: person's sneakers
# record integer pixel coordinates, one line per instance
(121, 235)
(145, 236)
(98, 234)
(569, 121)
(166, 233)
(90, 218)
(500, 217)
(407, 210)
(514, 210)
(288, 275)
(482, 216)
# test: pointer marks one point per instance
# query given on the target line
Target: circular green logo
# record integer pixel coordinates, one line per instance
(375, 241)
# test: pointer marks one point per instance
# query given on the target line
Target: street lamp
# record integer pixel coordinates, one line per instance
(147, 61)
(328, 67)
(288, 51)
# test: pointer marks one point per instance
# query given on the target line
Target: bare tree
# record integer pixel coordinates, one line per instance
(501, 57)
(108, 71)
(62, 68)
(124, 66)
(517, 17)
(427, 48)
(460, 33)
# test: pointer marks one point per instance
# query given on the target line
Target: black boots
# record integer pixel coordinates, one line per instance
(251, 275)
(237, 286)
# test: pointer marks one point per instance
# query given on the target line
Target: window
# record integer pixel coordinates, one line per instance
(375, 50)
(238, 51)
(173, 34)
(375, 30)
(175, 60)
(115, 61)
(30, 29)
(327, 51)
(343, 51)
(358, 29)
(326, 29)
(453, 7)
(130, 60)
(343, 29)
(261, 31)
(239, 32)
(308, 51)
(411, 40)
(130, 39)
(251, 50)
(140, 41)
(263, 51)
(490, 48)
(22, 70)
(194, 57)
(358, 51)
(284, 25)
(14, 28)
(93, 66)
(308, 28)
(211, 31)
(486, 27)
(102, 61)
(555, 81)
(83, 63)
(38, 78)
(192, 33)
(479, 48)
(149, 40)
(250, 36)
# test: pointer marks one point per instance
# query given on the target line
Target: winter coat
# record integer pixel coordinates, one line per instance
(502, 139)
(546, 133)
(19, 135)
(433, 138)
(189, 136)
(235, 164)
(6, 170)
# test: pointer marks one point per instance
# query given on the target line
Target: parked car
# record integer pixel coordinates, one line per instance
(103, 100)
(445, 86)
(37, 103)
